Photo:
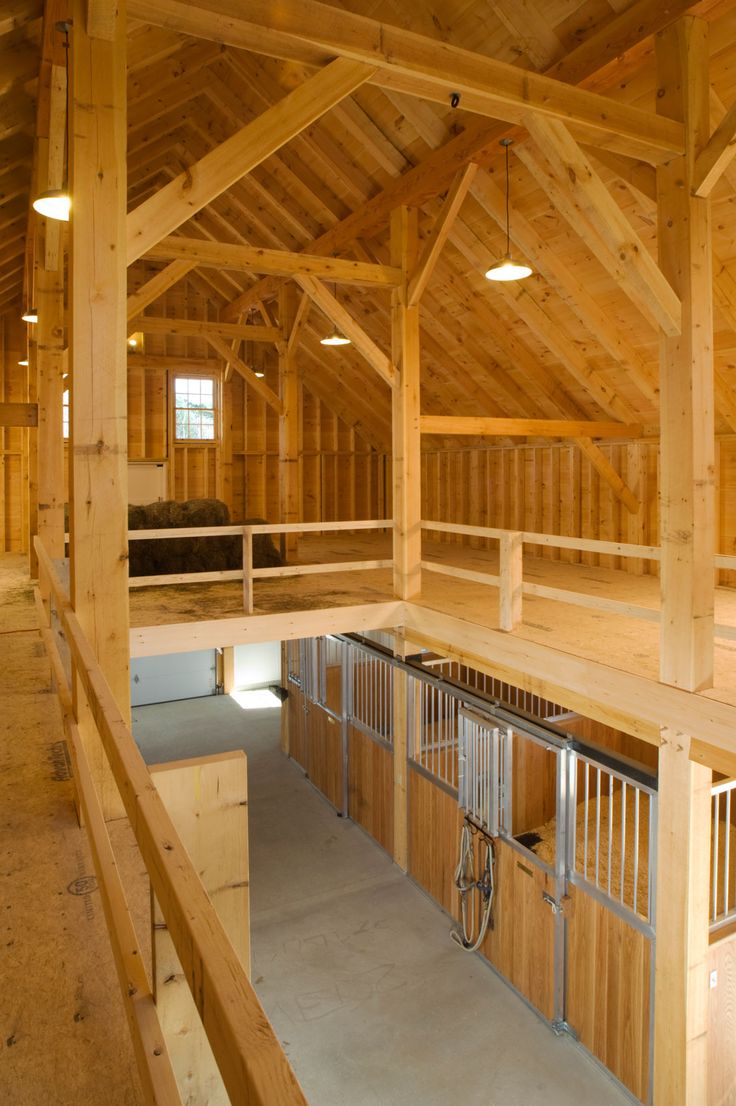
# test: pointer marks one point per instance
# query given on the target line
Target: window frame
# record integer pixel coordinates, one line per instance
(216, 428)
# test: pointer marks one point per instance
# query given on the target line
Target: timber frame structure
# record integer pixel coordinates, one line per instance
(243, 176)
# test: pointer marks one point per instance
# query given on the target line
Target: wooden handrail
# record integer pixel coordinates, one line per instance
(252, 1063)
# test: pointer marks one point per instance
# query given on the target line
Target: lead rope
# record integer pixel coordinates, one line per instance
(466, 883)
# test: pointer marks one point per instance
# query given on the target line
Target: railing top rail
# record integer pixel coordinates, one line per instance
(722, 787)
(258, 528)
(254, 1068)
(559, 541)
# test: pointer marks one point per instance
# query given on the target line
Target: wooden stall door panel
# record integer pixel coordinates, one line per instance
(297, 727)
(521, 944)
(324, 757)
(534, 799)
(722, 1024)
(370, 787)
(608, 998)
(434, 840)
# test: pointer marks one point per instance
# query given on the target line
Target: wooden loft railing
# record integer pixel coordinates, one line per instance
(513, 587)
(252, 1063)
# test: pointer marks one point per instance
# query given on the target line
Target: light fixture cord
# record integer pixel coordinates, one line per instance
(508, 231)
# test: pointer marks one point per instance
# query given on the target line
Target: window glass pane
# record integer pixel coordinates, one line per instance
(194, 408)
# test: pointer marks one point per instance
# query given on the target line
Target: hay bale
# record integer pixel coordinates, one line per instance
(179, 555)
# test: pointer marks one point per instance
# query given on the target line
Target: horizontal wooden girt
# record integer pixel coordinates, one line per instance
(250, 259)
(18, 414)
(417, 65)
(201, 328)
(537, 428)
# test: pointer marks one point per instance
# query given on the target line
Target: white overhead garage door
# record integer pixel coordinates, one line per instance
(173, 676)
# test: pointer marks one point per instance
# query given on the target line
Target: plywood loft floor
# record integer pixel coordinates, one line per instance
(65, 1040)
(625, 643)
(373, 1002)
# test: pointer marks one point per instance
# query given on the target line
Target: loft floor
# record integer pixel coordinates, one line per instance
(626, 643)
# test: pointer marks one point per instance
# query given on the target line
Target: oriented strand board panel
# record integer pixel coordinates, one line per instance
(722, 1024)
(207, 799)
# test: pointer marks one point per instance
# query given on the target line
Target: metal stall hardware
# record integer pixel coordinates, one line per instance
(482, 772)
(371, 707)
(612, 837)
(723, 855)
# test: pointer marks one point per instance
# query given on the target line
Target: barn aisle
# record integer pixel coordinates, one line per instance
(374, 1005)
(65, 1041)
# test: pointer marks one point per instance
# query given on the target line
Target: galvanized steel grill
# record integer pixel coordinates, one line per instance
(372, 694)
(723, 854)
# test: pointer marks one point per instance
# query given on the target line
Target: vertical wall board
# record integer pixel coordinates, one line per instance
(206, 798)
(371, 787)
(722, 1023)
(608, 989)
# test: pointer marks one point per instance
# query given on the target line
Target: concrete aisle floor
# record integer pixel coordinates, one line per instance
(354, 965)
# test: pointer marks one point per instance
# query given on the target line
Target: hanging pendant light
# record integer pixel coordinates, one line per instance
(507, 268)
(30, 316)
(335, 337)
(56, 203)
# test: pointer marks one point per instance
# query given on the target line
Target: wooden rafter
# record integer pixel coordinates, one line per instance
(716, 155)
(239, 154)
(342, 319)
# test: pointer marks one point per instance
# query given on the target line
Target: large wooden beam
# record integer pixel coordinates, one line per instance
(479, 426)
(202, 328)
(613, 43)
(406, 436)
(238, 155)
(345, 322)
(687, 540)
(440, 232)
(594, 204)
(98, 507)
(419, 65)
(251, 259)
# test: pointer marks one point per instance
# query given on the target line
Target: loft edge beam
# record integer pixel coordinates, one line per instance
(478, 426)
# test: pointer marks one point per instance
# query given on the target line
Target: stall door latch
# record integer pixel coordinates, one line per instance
(552, 903)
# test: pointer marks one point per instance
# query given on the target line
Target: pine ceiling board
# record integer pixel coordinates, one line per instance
(161, 79)
(297, 179)
(530, 31)
(148, 45)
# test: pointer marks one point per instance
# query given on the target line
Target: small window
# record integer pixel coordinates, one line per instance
(194, 408)
(65, 413)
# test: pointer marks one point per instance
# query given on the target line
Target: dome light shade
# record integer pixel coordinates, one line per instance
(30, 316)
(54, 204)
(335, 339)
(508, 269)
(23, 362)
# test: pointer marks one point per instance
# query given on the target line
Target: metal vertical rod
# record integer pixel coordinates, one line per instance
(346, 708)
(585, 819)
(560, 886)
(623, 839)
(597, 825)
(637, 797)
(652, 859)
(610, 829)
(727, 854)
(715, 804)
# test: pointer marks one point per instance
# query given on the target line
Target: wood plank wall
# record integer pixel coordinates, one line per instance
(553, 489)
(13, 440)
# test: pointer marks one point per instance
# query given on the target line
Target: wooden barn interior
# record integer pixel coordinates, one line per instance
(416, 325)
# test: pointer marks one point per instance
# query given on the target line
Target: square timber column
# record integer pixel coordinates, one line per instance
(98, 418)
(687, 538)
(406, 437)
(289, 439)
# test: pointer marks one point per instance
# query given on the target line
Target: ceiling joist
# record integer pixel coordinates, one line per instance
(480, 427)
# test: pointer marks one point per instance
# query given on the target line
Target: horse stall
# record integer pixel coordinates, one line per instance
(547, 820)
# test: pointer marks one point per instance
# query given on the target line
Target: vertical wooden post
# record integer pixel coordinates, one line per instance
(247, 570)
(98, 428)
(511, 573)
(207, 799)
(289, 460)
(687, 514)
(406, 463)
(228, 669)
(50, 373)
